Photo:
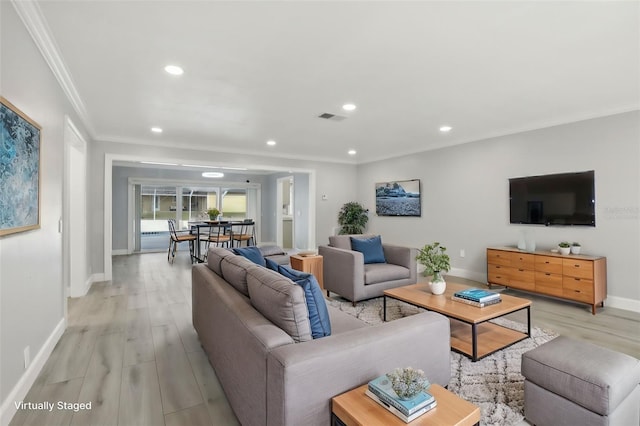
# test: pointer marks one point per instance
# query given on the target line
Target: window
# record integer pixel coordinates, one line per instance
(234, 203)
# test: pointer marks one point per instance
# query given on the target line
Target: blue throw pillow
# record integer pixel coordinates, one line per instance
(371, 249)
(252, 253)
(316, 305)
(271, 264)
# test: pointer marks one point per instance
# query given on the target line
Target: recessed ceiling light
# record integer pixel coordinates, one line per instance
(157, 163)
(352, 152)
(174, 70)
(348, 107)
(212, 174)
(271, 143)
(445, 129)
(156, 130)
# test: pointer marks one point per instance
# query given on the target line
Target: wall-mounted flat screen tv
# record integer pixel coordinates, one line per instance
(398, 198)
(558, 199)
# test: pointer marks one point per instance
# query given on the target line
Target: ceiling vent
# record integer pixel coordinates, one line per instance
(332, 117)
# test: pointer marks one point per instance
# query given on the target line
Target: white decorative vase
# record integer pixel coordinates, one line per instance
(438, 285)
(575, 249)
(564, 250)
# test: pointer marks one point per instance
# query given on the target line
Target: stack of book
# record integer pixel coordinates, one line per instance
(477, 297)
(380, 391)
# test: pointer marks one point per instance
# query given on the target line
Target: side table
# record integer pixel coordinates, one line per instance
(355, 408)
(310, 264)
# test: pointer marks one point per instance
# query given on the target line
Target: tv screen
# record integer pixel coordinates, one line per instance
(398, 198)
(558, 199)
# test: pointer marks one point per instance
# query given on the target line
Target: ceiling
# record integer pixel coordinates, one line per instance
(255, 71)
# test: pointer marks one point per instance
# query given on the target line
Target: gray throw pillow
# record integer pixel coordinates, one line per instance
(280, 301)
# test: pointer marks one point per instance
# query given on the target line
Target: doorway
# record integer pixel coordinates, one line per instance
(74, 222)
(285, 219)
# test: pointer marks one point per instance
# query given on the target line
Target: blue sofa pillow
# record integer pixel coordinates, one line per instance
(371, 249)
(271, 264)
(252, 253)
(318, 313)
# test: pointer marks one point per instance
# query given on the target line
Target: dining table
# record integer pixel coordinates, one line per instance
(196, 227)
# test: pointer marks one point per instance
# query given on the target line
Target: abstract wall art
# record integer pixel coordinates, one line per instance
(19, 170)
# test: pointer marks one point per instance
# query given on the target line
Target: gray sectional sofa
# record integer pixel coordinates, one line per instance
(269, 378)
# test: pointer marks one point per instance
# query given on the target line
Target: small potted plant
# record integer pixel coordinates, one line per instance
(564, 247)
(575, 248)
(213, 213)
(408, 382)
(436, 262)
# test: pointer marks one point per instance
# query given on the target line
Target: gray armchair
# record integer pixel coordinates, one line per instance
(346, 274)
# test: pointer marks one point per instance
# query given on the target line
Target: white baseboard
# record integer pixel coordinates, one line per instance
(19, 391)
(96, 278)
(120, 252)
(622, 303)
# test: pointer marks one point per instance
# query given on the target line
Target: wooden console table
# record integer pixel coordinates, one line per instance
(310, 264)
(574, 277)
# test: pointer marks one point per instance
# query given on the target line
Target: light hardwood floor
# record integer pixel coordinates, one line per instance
(131, 350)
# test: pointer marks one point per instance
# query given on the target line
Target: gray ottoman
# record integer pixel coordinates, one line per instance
(570, 382)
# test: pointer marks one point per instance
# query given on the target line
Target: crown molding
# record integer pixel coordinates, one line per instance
(36, 24)
(219, 149)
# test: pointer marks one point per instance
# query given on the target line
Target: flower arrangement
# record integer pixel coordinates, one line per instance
(408, 382)
(434, 259)
(213, 213)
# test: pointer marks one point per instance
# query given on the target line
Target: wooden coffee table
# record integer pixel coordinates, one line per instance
(471, 332)
(355, 408)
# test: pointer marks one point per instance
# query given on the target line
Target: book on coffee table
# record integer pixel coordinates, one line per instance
(477, 295)
(397, 412)
(381, 387)
(474, 303)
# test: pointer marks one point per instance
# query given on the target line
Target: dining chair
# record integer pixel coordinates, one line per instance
(243, 231)
(219, 235)
(177, 237)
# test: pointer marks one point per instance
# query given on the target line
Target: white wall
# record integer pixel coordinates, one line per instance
(465, 195)
(31, 285)
(334, 180)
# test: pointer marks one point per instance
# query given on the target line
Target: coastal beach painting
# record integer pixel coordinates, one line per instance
(19, 170)
(398, 198)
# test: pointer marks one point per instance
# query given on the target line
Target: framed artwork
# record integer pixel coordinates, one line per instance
(398, 198)
(19, 171)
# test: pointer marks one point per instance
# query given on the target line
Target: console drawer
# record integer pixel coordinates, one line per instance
(549, 283)
(577, 268)
(578, 289)
(498, 274)
(549, 264)
(522, 261)
(499, 257)
(522, 278)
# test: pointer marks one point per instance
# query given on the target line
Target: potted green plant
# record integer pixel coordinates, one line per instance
(213, 213)
(564, 247)
(575, 248)
(352, 218)
(436, 261)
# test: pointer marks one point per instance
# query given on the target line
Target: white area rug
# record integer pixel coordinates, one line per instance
(494, 383)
